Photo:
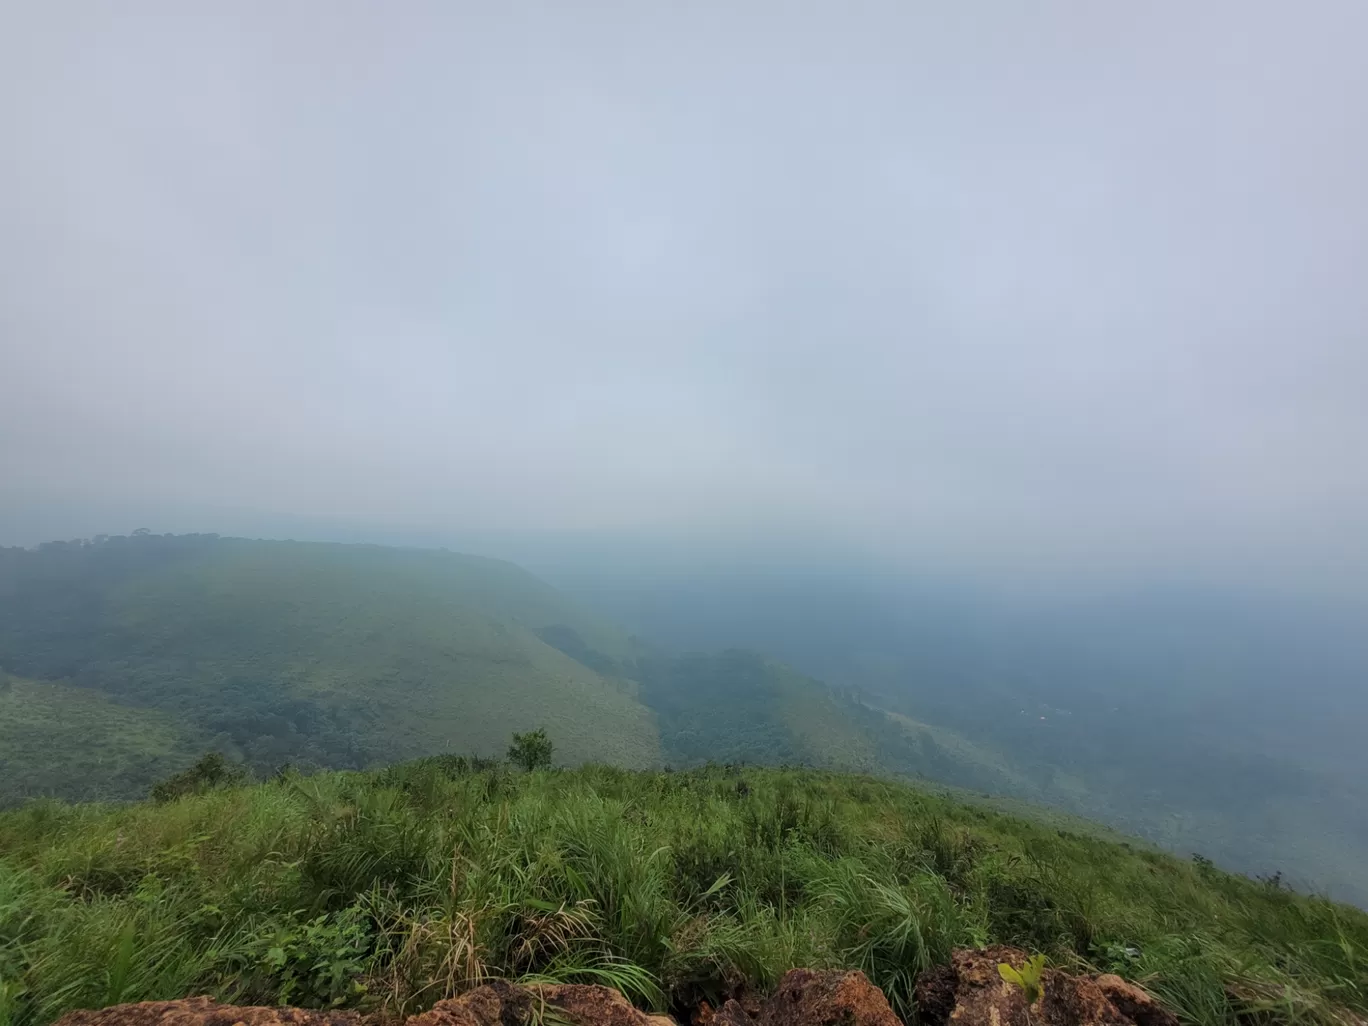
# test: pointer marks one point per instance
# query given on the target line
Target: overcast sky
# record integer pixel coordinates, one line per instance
(988, 283)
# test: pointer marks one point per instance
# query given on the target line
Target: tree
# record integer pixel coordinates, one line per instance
(210, 772)
(531, 750)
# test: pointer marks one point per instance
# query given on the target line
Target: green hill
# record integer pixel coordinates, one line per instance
(136, 654)
(123, 660)
(386, 891)
(128, 657)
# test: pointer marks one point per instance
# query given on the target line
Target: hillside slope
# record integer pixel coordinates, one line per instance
(129, 657)
(124, 660)
(387, 891)
(278, 652)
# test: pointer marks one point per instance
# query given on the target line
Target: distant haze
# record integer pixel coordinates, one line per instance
(987, 287)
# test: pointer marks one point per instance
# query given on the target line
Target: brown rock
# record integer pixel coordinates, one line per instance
(807, 997)
(507, 1004)
(971, 992)
(732, 1013)
(1136, 1004)
(204, 1011)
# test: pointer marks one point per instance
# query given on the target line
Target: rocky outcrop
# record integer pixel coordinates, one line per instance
(968, 992)
(496, 1004)
(508, 1004)
(971, 992)
(203, 1011)
(806, 997)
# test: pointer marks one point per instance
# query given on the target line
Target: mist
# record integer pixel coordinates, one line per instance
(1072, 292)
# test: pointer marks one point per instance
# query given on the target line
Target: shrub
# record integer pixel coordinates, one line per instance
(213, 770)
(531, 750)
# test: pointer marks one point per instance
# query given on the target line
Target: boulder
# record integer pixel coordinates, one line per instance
(732, 1013)
(971, 992)
(204, 1011)
(809, 997)
(508, 1004)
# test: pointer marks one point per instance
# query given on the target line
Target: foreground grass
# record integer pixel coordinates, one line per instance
(390, 890)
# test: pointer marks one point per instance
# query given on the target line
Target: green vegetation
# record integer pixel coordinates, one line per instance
(53, 735)
(531, 751)
(1027, 977)
(123, 660)
(138, 654)
(390, 889)
(210, 772)
(141, 653)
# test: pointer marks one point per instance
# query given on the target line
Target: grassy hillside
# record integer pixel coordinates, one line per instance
(391, 889)
(127, 658)
(334, 655)
(52, 734)
(1223, 723)
(738, 706)
(135, 655)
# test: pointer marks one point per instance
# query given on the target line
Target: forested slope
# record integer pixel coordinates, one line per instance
(278, 652)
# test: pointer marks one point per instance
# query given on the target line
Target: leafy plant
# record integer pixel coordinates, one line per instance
(318, 963)
(1027, 977)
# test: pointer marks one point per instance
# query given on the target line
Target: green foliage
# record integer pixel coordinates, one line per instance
(133, 656)
(1027, 977)
(532, 750)
(318, 963)
(387, 891)
(211, 771)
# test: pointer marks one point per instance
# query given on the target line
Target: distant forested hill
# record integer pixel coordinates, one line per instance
(1229, 724)
(125, 658)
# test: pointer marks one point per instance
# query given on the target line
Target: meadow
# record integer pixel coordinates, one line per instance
(388, 890)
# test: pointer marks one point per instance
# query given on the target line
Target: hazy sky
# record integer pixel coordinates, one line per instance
(993, 284)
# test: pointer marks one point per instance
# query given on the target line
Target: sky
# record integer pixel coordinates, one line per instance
(989, 286)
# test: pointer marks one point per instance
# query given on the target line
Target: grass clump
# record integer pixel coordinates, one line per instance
(390, 890)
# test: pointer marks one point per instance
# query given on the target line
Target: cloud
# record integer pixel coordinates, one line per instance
(1067, 285)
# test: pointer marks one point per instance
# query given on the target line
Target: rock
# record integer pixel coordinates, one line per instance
(807, 997)
(971, 992)
(508, 1004)
(1136, 1004)
(203, 1011)
(731, 1014)
(804, 998)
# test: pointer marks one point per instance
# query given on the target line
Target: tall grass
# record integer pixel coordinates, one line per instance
(388, 891)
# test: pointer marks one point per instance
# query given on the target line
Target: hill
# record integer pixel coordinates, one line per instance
(128, 657)
(1216, 722)
(388, 890)
(124, 659)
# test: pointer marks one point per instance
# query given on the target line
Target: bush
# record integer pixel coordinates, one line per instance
(210, 772)
(531, 750)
